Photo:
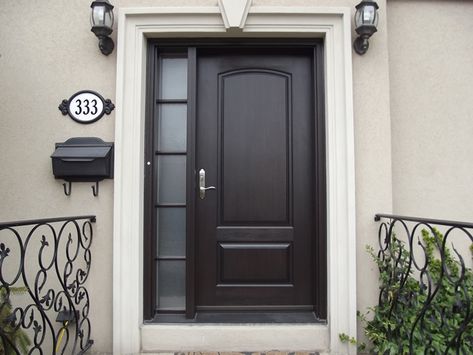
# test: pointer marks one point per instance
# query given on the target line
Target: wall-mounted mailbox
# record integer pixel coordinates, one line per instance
(83, 159)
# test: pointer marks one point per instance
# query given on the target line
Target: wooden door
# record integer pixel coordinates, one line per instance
(255, 139)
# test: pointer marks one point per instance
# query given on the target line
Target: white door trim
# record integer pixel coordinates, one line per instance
(135, 26)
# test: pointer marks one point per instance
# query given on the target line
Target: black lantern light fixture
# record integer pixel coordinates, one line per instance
(101, 20)
(366, 23)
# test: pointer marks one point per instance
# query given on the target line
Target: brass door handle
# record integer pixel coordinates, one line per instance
(202, 187)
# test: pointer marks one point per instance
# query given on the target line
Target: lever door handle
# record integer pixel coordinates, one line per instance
(202, 187)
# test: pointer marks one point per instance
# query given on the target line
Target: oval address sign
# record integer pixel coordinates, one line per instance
(86, 106)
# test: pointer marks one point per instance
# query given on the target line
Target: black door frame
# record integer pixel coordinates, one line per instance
(191, 46)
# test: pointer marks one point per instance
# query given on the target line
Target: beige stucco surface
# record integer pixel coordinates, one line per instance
(431, 109)
(431, 57)
(47, 53)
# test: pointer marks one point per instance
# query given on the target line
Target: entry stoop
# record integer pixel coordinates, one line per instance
(239, 339)
(239, 353)
(251, 353)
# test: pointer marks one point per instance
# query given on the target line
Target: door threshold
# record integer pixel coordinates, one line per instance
(238, 317)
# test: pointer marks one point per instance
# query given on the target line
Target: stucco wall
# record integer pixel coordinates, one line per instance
(47, 53)
(430, 57)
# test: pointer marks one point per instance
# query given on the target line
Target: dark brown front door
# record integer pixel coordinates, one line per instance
(256, 140)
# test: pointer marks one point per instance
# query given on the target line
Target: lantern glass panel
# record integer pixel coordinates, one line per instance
(358, 17)
(101, 16)
(369, 14)
(366, 15)
(108, 18)
(376, 17)
(98, 15)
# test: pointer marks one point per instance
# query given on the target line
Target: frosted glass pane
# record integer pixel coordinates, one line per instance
(172, 127)
(173, 80)
(171, 179)
(171, 284)
(172, 231)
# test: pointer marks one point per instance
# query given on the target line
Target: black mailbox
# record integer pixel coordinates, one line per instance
(83, 159)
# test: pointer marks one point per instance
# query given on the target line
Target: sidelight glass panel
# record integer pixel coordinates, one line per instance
(171, 179)
(170, 151)
(172, 127)
(172, 231)
(171, 284)
(173, 81)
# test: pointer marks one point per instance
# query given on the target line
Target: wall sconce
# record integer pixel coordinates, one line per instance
(101, 20)
(366, 23)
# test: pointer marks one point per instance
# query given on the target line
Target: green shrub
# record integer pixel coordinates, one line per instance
(16, 336)
(402, 315)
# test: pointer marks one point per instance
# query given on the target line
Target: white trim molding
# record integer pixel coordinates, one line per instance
(333, 24)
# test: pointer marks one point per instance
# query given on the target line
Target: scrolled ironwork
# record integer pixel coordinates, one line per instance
(44, 304)
(426, 269)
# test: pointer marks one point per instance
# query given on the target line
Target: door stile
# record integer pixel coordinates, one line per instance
(191, 178)
(149, 243)
(320, 245)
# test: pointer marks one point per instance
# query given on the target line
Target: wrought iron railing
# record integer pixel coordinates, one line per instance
(426, 292)
(44, 304)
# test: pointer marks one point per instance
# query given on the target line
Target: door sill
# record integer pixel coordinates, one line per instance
(234, 317)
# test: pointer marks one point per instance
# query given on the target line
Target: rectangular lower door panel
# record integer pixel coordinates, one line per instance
(254, 264)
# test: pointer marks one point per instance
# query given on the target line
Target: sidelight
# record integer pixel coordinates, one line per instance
(170, 157)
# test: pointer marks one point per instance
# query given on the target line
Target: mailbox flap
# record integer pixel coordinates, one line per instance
(89, 152)
(82, 149)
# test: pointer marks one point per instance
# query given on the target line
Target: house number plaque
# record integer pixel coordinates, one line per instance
(86, 106)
